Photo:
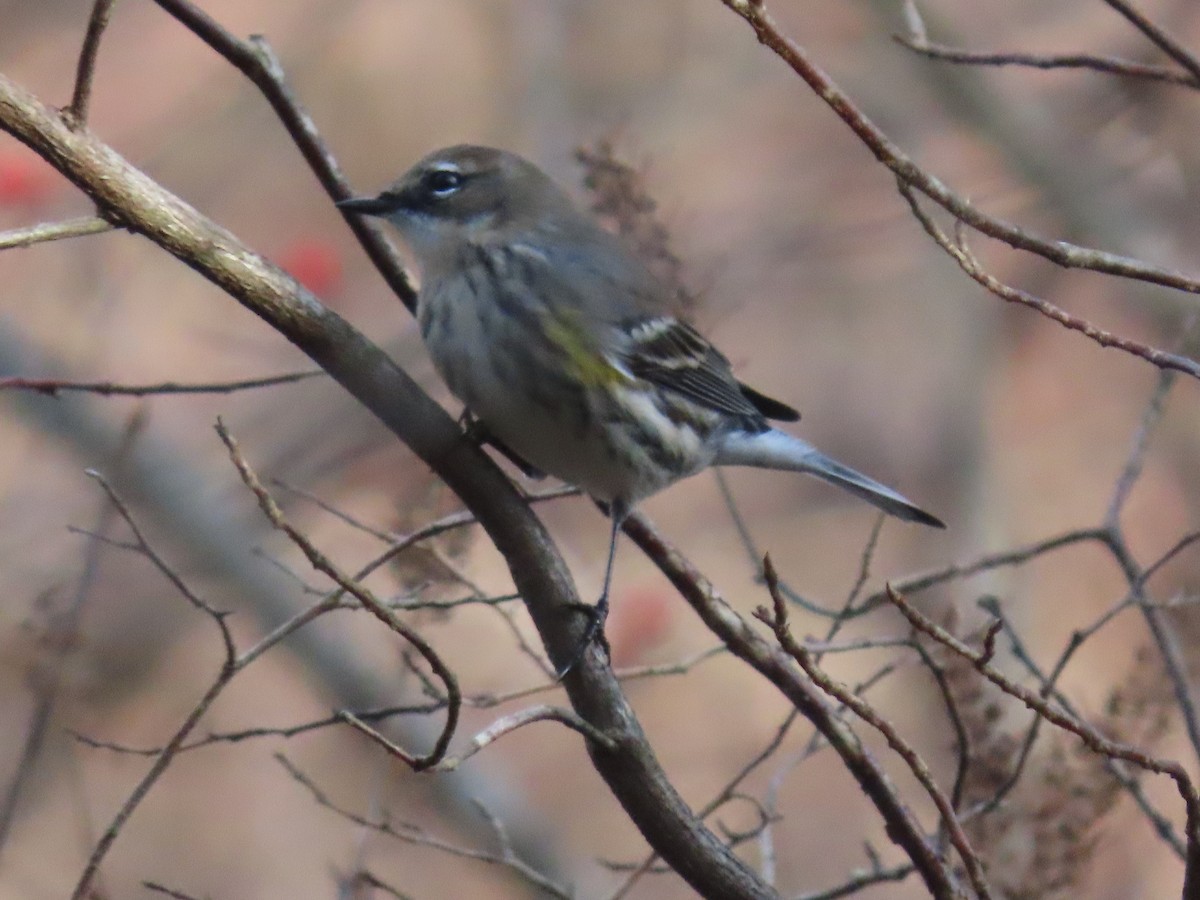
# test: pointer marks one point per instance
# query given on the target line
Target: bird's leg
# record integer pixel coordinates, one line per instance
(479, 434)
(597, 614)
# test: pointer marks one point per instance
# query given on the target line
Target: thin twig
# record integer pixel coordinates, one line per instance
(498, 729)
(413, 834)
(962, 741)
(53, 231)
(76, 112)
(377, 608)
(909, 173)
(67, 627)
(255, 59)
(958, 251)
(1049, 689)
(1158, 36)
(1109, 65)
(722, 797)
(777, 620)
(1017, 556)
(858, 882)
(52, 386)
(229, 668)
(1090, 737)
(173, 893)
(749, 646)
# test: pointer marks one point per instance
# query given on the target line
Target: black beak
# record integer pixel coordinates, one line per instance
(370, 206)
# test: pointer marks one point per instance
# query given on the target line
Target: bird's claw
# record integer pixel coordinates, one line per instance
(596, 616)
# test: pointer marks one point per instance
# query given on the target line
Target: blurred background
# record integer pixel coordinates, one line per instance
(812, 277)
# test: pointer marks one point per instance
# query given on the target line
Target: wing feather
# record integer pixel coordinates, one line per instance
(672, 354)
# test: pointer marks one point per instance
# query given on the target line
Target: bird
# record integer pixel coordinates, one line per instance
(566, 350)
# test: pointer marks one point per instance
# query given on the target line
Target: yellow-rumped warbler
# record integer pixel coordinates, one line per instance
(560, 341)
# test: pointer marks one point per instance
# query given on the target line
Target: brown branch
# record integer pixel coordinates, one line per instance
(53, 231)
(745, 643)
(76, 112)
(53, 386)
(322, 563)
(1158, 36)
(961, 254)
(1090, 737)
(1109, 65)
(777, 620)
(1062, 253)
(413, 834)
(255, 59)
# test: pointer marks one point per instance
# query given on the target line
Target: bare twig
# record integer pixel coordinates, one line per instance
(722, 797)
(1018, 556)
(909, 173)
(377, 608)
(1048, 688)
(255, 59)
(245, 734)
(1137, 453)
(858, 882)
(961, 254)
(76, 112)
(1158, 36)
(962, 742)
(777, 620)
(67, 624)
(52, 386)
(229, 667)
(495, 731)
(53, 231)
(1090, 737)
(413, 834)
(749, 646)
(364, 878)
(174, 893)
(1109, 65)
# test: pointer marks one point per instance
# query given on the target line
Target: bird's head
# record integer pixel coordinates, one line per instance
(464, 194)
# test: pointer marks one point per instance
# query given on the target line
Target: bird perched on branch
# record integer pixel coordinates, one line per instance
(562, 344)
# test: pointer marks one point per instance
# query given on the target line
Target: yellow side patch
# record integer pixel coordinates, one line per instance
(586, 364)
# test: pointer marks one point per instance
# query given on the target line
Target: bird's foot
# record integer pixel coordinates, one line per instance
(596, 616)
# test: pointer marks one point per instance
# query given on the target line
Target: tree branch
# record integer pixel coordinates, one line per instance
(1063, 253)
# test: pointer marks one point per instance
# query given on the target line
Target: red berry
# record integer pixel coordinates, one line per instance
(25, 179)
(641, 620)
(315, 263)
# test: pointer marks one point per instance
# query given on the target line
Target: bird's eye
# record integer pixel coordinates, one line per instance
(443, 182)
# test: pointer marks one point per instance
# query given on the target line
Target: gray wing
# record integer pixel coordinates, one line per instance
(673, 355)
(590, 274)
